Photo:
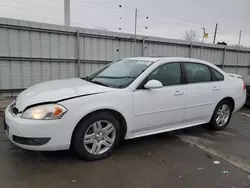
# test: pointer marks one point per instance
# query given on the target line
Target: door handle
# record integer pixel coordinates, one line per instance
(215, 88)
(176, 93)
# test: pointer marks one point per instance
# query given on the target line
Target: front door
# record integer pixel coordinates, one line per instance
(155, 109)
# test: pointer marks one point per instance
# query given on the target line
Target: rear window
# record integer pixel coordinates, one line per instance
(217, 75)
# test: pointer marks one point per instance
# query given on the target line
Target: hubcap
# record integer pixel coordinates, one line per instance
(222, 115)
(99, 137)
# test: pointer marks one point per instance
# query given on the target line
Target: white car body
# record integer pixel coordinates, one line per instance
(146, 112)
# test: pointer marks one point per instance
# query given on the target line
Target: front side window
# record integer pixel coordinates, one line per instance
(168, 74)
(196, 73)
(119, 74)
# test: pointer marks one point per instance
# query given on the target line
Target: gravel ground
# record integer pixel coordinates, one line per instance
(176, 159)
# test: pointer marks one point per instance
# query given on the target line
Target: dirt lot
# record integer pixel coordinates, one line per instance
(177, 159)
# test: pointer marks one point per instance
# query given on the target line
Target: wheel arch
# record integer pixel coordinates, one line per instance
(114, 112)
(231, 100)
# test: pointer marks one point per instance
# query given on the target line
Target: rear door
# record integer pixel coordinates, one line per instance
(203, 92)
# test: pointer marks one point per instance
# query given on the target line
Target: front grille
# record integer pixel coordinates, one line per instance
(14, 109)
(30, 141)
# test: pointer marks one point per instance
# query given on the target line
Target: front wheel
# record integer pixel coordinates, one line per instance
(222, 115)
(96, 137)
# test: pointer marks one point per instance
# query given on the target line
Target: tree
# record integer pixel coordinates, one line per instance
(222, 43)
(238, 46)
(190, 36)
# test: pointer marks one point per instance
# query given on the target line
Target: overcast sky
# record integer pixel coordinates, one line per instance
(165, 18)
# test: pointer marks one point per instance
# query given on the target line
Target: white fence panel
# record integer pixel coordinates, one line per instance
(33, 52)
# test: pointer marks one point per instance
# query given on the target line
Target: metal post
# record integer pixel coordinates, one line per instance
(204, 31)
(215, 32)
(135, 32)
(1, 84)
(239, 39)
(238, 54)
(78, 53)
(143, 46)
(248, 68)
(223, 58)
(191, 49)
(67, 12)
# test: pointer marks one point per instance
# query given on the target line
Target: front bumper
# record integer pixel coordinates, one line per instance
(40, 135)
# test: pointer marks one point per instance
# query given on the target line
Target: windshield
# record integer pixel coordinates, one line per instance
(119, 74)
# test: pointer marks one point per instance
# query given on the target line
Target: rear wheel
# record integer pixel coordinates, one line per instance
(222, 115)
(96, 137)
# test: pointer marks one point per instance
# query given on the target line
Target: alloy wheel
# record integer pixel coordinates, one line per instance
(223, 115)
(99, 137)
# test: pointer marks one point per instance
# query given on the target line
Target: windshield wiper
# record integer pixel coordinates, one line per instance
(99, 83)
(114, 77)
(85, 78)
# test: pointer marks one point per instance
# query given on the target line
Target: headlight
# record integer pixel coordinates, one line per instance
(48, 111)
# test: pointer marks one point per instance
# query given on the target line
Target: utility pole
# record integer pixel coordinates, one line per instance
(203, 36)
(204, 31)
(238, 54)
(67, 12)
(135, 32)
(239, 39)
(215, 32)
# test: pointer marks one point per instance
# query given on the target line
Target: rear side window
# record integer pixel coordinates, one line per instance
(217, 75)
(196, 73)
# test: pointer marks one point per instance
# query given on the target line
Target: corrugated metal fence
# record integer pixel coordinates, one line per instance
(33, 52)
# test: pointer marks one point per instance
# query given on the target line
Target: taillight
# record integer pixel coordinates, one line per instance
(244, 86)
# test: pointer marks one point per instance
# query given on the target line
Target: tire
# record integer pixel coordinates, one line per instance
(218, 125)
(87, 133)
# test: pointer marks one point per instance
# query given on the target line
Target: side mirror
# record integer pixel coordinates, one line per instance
(153, 84)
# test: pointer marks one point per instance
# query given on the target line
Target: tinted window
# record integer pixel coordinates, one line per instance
(218, 76)
(168, 74)
(197, 73)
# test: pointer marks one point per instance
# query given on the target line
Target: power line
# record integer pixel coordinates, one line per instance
(141, 21)
(118, 12)
(108, 4)
(113, 16)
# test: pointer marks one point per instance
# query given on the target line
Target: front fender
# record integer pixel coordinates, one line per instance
(78, 108)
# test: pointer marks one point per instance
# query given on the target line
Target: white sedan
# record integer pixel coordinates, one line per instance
(129, 98)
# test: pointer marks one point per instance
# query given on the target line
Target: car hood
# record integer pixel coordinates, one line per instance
(57, 90)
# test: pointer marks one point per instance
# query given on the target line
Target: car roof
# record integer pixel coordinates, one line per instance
(154, 59)
(175, 59)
